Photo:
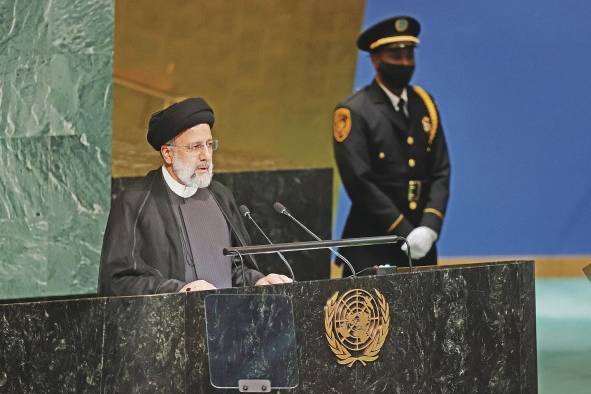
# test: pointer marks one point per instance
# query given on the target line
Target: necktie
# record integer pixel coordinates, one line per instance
(401, 104)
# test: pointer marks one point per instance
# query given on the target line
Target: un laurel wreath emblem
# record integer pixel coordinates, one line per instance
(356, 325)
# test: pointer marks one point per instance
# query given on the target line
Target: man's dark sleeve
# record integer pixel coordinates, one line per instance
(122, 270)
(439, 176)
(250, 275)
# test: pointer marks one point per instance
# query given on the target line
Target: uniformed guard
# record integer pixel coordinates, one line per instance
(391, 153)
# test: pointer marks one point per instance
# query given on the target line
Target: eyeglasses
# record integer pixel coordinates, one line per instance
(200, 147)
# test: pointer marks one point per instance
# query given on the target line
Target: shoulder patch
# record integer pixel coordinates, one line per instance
(431, 123)
(341, 124)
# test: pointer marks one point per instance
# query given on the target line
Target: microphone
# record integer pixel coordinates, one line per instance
(244, 211)
(280, 208)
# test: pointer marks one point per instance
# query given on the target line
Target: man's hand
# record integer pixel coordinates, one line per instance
(197, 285)
(420, 241)
(273, 279)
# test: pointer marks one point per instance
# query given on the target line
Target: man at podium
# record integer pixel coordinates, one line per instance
(166, 232)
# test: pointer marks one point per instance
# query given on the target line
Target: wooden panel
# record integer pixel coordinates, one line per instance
(272, 70)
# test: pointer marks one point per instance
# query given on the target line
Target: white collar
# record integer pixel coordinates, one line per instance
(178, 188)
(394, 98)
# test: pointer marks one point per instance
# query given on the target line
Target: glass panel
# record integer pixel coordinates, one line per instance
(251, 336)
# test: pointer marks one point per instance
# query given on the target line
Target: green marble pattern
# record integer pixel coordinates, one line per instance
(25, 177)
(56, 62)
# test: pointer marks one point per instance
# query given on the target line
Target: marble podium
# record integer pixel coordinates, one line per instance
(452, 329)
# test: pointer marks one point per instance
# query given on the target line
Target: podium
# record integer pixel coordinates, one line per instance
(450, 329)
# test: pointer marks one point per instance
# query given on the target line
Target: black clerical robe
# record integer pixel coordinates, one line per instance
(142, 251)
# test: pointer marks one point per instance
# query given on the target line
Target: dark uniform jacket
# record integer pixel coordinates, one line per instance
(395, 171)
(142, 251)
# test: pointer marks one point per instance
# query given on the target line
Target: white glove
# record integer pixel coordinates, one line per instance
(420, 240)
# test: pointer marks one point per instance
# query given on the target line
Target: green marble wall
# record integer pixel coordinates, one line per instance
(55, 143)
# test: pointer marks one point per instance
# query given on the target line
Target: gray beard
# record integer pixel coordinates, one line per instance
(187, 174)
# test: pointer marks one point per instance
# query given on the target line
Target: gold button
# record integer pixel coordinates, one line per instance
(382, 155)
(412, 205)
(411, 162)
(410, 140)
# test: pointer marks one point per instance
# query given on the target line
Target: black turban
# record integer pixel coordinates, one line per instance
(166, 124)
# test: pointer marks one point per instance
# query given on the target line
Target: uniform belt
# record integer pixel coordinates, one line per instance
(412, 188)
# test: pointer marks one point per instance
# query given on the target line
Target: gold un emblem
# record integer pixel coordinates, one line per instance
(356, 325)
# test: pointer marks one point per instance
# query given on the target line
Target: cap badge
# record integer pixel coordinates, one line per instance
(401, 25)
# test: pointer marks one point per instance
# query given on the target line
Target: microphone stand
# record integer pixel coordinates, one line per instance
(280, 208)
(249, 216)
(309, 245)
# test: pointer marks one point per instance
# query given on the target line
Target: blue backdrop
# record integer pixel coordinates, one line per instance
(512, 82)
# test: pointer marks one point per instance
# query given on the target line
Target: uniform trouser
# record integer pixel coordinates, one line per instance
(363, 257)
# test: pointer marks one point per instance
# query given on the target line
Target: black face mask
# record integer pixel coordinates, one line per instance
(395, 76)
